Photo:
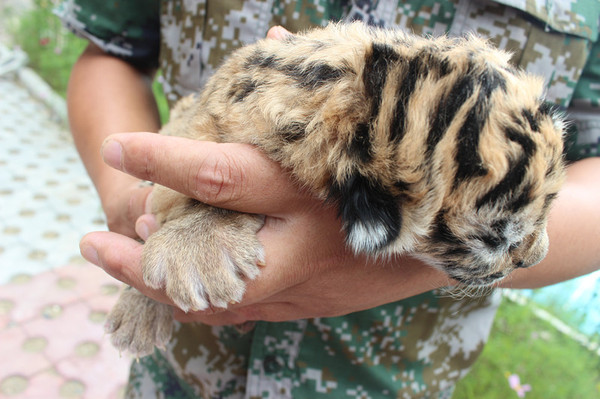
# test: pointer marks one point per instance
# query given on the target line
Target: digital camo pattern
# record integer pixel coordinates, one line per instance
(127, 29)
(197, 35)
(534, 48)
(416, 348)
(585, 110)
(420, 17)
(575, 17)
(433, 339)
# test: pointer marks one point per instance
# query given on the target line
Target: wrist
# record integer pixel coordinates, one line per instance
(416, 277)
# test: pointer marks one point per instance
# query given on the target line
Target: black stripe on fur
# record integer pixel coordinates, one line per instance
(446, 111)
(514, 177)
(240, 91)
(547, 108)
(442, 232)
(311, 76)
(405, 90)
(314, 75)
(469, 162)
(418, 68)
(260, 59)
(531, 119)
(378, 60)
(292, 132)
(361, 145)
(377, 63)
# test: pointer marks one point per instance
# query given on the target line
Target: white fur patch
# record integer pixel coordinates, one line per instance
(367, 238)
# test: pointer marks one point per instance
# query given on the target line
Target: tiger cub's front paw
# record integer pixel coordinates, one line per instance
(202, 259)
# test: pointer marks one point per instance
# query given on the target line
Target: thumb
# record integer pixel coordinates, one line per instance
(120, 257)
(278, 33)
(146, 225)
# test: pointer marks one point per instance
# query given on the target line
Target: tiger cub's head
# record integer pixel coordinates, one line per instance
(495, 221)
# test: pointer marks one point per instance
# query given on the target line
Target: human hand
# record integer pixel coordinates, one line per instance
(309, 271)
(125, 198)
(124, 202)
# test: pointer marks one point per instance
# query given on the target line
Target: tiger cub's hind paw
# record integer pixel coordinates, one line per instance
(138, 324)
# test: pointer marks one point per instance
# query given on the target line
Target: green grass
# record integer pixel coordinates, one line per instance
(161, 101)
(554, 365)
(51, 49)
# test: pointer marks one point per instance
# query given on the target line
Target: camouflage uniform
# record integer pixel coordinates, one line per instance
(415, 348)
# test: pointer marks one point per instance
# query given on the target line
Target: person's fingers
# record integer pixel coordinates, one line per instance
(232, 176)
(120, 257)
(146, 225)
(283, 241)
(278, 33)
(124, 205)
(139, 203)
(216, 319)
(148, 202)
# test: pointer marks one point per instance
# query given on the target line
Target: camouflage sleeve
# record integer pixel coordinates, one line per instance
(127, 29)
(576, 17)
(584, 111)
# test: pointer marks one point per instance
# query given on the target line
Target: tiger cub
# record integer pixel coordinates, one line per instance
(435, 147)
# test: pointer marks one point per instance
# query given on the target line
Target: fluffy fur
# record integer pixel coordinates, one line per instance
(431, 146)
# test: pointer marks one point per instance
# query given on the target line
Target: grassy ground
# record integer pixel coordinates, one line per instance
(53, 50)
(554, 365)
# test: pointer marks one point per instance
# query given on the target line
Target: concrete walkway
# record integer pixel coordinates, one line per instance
(52, 303)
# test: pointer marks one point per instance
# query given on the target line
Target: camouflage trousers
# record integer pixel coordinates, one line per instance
(416, 348)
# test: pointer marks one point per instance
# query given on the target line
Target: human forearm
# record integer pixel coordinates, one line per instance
(107, 95)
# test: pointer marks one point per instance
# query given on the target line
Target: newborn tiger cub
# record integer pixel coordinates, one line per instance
(435, 147)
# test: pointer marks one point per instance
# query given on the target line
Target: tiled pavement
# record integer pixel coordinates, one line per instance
(52, 303)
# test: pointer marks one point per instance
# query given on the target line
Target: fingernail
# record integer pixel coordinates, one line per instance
(142, 230)
(90, 254)
(279, 33)
(148, 204)
(112, 153)
(145, 226)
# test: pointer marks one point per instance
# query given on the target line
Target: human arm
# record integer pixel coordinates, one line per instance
(107, 95)
(309, 270)
(573, 228)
